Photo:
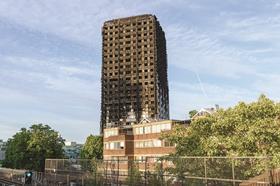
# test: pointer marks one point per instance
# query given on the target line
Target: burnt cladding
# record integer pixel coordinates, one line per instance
(134, 70)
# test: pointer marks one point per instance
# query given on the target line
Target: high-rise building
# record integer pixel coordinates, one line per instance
(134, 71)
(2, 149)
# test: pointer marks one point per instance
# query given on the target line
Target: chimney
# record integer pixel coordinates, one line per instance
(217, 107)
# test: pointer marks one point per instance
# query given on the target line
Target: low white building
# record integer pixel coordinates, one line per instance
(205, 111)
(2, 149)
(72, 149)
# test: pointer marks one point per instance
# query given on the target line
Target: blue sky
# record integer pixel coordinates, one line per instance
(219, 52)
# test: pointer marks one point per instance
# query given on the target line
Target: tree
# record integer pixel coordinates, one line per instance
(93, 148)
(245, 130)
(192, 113)
(134, 175)
(29, 148)
(17, 155)
(156, 177)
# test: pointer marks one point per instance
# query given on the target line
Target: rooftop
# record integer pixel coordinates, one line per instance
(129, 18)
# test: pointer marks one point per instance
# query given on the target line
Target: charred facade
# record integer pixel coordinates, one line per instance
(134, 70)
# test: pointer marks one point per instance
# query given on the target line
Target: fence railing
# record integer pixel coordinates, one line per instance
(155, 171)
(12, 174)
(222, 171)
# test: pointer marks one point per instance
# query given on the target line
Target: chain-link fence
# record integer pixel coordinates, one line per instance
(155, 171)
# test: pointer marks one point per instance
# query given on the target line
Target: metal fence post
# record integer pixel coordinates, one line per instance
(233, 170)
(130, 170)
(55, 178)
(56, 164)
(106, 173)
(269, 171)
(145, 173)
(118, 171)
(11, 175)
(68, 180)
(63, 163)
(95, 177)
(161, 172)
(205, 171)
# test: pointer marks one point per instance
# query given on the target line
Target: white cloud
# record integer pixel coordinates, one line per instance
(268, 84)
(7, 129)
(49, 91)
(185, 97)
(256, 28)
(79, 21)
(78, 71)
(203, 53)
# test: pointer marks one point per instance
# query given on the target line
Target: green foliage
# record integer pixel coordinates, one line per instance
(96, 176)
(156, 178)
(134, 175)
(96, 180)
(245, 130)
(29, 148)
(93, 148)
(192, 113)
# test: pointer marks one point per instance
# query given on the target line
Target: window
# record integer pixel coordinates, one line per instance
(168, 144)
(148, 144)
(108, 133)
(155, 129)
(152, 129)
(140, 158)
(139, 130)
(161, 127)
(147, 129)
(122, 145)
(157, 143)
(106, 145)
(115, 145)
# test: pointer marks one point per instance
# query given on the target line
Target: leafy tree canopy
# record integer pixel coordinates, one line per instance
(29, 148)
(192, 113)
(247, 129)
(251, 129)
(93, 148)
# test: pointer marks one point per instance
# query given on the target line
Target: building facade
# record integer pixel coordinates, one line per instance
(140, 142)
(2, 149)
(134, 70)
(72, 150)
